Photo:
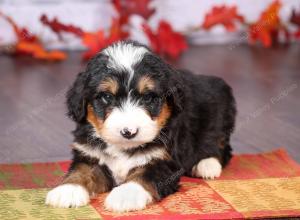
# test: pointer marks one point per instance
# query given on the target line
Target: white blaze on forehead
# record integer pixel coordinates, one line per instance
(123, 56)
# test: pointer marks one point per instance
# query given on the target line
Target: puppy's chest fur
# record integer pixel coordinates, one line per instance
(120, 163)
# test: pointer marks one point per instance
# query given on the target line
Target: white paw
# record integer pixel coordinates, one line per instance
(208, 168)
(68, 195)
(127, 197)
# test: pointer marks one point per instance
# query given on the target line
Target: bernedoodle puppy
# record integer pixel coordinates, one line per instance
(140, 125)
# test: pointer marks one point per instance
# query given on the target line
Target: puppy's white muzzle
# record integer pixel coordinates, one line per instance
(129, 126)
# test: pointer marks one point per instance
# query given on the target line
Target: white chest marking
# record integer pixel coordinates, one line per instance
(117, 161)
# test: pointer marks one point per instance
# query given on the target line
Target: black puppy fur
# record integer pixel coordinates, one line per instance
(202, 117)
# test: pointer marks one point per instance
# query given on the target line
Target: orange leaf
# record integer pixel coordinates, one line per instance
(37, 51)
(94, 43)
(268, 26)
(29, 44)
(54, 55)
(227, 16)
(269, 19)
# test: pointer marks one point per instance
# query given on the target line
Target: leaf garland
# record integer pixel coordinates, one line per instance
(164, 40)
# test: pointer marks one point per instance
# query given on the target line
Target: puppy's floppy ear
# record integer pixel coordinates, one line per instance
(76, 102)
(78, 93)
(175, 94)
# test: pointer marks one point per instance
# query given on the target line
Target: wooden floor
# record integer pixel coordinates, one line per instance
(33, 125)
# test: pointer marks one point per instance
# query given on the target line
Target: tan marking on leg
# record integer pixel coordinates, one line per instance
(136, 175)
(90, 177)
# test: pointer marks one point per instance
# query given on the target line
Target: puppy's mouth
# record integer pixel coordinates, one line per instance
(125, 128)
(125, 144)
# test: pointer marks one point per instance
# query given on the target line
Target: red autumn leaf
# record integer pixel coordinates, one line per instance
(295, 19)
(268, 27)
(165, 41)
(24, 35)
(297, 34)
(21, 33)
(29, 44)
(125, 8)
(58, 27)
(224, 15)
(96, 41)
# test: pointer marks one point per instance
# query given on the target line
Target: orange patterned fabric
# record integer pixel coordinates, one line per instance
(254, 166)
(195, 200)
(252, 186)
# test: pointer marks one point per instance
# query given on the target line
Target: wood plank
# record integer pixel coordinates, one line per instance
(33, 125)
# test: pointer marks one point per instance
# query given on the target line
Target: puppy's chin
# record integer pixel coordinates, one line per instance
(125, 144)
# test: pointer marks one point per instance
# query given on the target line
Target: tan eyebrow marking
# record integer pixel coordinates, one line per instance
(145, 83)
(109, 85)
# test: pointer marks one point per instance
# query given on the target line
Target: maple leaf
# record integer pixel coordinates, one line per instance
(165, 41)
(30, 44)
(58, 27)
(227, 16)
(126, 8)
(268, 26)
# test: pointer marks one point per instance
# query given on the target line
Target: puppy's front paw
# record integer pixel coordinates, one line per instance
(208, 168)
(68, 195)
(127, 197)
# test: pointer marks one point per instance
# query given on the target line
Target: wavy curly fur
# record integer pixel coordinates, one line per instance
(172, 123)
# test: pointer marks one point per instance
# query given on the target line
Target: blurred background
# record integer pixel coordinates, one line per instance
(252, 44)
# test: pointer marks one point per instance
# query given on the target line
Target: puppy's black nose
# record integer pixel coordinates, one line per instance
(129, 133)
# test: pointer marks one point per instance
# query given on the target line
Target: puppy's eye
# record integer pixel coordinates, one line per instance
(106, 98)
(150, 98)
